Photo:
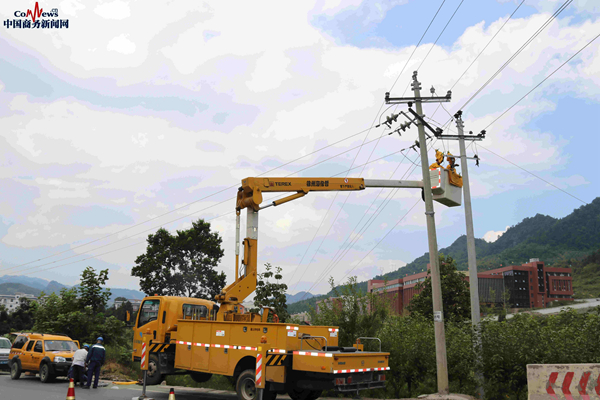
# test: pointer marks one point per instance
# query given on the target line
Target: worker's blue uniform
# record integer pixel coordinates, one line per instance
(95, 359)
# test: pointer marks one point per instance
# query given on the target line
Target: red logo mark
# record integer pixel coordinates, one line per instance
(36, 13)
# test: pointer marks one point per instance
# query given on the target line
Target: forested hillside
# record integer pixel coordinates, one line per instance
(552, 240)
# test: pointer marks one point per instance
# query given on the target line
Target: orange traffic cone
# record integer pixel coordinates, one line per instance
(171, 395)
(71, 391)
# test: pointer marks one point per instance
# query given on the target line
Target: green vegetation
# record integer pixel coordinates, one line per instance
(586, 275)
(456, 299)
(272, 294)
(507, 347)
(182, 264)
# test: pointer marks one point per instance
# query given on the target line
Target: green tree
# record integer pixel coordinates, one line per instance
(455, 294)
(91, 293)
(79, 312)
(357, 314)
(182, 264)
(21, 318)
(272, 294)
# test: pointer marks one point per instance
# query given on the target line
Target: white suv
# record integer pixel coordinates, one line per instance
(4, 350)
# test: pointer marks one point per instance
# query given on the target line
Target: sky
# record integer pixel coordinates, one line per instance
(136, 117)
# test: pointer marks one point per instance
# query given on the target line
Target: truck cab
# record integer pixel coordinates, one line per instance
(158, 315)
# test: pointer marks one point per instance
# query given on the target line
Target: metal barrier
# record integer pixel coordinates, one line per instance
(563, 381)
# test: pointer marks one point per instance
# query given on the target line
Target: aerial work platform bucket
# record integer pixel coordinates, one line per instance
(443, 191)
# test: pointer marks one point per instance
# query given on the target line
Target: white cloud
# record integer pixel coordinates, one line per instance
(113, 10)
(121, 44)
(492, 236)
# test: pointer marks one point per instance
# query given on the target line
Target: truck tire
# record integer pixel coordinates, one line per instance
(304, 394)
(15, 369)
(153, 377)
(45, 373)
(200, 377)
(246, 387)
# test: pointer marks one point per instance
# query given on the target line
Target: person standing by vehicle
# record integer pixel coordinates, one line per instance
(79, 364)
(94, 360)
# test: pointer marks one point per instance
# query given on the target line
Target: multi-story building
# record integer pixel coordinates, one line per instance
(531, 285)
(135, 303)
(12, 301)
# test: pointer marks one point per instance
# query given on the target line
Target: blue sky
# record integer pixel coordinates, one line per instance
(112, 126)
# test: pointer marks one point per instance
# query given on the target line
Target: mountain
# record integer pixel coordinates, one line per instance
(11, 288)
(294, 298)
(552, 240)
(25, 280)
(127, 293)
(30, 285)
(54, 287)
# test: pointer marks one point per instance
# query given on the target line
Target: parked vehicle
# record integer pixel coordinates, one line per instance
(49, 355)
(4, 351)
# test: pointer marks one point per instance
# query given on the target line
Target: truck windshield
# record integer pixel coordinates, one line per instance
(148, 311)
(59, 345)
(4, 344)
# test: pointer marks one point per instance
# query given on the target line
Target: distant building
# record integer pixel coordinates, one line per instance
(531, 285)
(135, 303)
(12, 301)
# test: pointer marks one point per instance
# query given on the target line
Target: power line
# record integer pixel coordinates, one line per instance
(531, 173)
(544, 80)
(189, 204)
(531, 38)
(364, 214)
(369, 222)
(345, 249)
(418, 44)
(347, 197)
(185, 216)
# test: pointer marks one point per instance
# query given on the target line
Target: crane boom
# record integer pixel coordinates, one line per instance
(250, 197)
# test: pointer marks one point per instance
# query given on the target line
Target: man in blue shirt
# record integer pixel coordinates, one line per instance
(94, 360)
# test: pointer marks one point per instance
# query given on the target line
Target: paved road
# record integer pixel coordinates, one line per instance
(30, 388)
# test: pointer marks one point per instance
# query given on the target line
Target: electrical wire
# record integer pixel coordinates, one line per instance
(417, 46)
(193, 202)
(544, 80)
(523, 46)
(531, 173)
(347, 197)
(381, 207)
(185, 216)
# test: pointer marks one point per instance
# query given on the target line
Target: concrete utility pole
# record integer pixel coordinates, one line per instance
(472, 257)
(473, 281)
(434, 260)
(436, 285)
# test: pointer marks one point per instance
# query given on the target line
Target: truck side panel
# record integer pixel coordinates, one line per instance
(219, 353)
(200, 352)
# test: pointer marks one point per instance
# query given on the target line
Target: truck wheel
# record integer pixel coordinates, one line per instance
(200, 377)
(245, 386)
(315, 394)
(45, 375)
(153, 377)
(15, 369)
(301, 394)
